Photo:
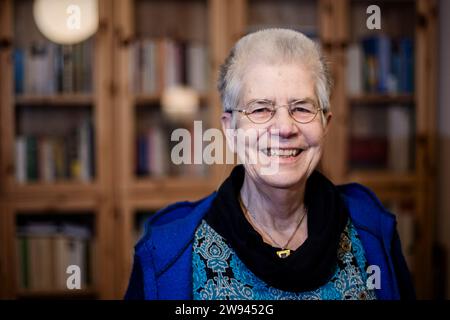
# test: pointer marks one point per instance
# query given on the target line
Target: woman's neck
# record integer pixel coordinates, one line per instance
(274, 208)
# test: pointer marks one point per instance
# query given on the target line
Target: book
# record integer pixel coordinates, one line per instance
(406, 69)
(85, 151)
(399, 137)
(197, 67)
(142, 162)
(354, 69)
(19, 70)
(377, 55)
(21, 159)
(158, 151)
(22, 261)
(32, 158)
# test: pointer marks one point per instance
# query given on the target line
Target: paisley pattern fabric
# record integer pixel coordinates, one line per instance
(219, 274)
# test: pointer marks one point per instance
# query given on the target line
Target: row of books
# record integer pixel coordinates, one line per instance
(157, 64)
(382, 138)
(45, 250)
(380, 64)
(45, 68)
(154, 151)
(50, 158)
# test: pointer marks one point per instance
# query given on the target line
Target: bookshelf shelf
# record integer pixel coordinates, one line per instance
(382, 99)
(58, 294)
(172, 186)
(66, 100)
(145, 100)
(148, 99)
(59, 202)
(61, 185)
(383, 178)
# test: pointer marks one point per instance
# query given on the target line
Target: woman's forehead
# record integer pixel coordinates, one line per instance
(287, 80)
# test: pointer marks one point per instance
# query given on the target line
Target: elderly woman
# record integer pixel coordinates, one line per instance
(285, 233)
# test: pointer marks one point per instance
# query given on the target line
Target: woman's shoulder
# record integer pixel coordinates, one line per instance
(365, 209)
(181, 216)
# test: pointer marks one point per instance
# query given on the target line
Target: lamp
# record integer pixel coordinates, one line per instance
(180, 102)
(66, 21)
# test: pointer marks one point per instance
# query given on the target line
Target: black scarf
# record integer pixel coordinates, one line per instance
(307, 268)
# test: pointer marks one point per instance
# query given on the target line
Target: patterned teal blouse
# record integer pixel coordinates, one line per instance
(219, 274)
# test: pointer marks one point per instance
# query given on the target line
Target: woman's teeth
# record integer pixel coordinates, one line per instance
(282, 152)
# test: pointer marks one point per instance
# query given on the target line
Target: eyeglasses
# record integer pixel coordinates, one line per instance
(262, 110)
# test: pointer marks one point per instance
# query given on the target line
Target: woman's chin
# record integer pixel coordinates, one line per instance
(282, 177)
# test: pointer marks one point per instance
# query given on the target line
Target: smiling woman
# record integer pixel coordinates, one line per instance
(287, 233)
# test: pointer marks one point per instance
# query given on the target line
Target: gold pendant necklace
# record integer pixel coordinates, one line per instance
(284, 252)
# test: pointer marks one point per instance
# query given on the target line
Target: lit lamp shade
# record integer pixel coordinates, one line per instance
(66, 21)
(180, 102)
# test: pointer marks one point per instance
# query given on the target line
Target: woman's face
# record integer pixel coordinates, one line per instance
(296, 148)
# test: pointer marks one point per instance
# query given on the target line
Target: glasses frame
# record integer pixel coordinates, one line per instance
(275, 108)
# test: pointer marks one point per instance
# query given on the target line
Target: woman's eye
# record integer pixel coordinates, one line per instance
(300, 109)
(303, 108)
(261, 110)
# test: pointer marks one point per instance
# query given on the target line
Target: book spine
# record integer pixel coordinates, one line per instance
(32, 158)
(354, 69)
(21, 159)
(19, 71)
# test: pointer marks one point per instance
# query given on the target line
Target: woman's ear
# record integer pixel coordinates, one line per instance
(327, 117)
(229, 130)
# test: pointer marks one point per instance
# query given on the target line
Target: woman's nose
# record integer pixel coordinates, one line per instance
(283, 124)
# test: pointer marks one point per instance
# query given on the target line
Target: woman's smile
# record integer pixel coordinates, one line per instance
(283, 155)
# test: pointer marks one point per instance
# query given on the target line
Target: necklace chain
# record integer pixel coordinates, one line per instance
(247, 213)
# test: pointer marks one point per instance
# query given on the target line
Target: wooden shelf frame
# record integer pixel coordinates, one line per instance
(63, 100)
(87, 293)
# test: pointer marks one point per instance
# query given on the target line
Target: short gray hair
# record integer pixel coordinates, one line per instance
(273, 46)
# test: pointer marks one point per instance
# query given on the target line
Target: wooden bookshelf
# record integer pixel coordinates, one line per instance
(60, 196)
(117, 193)
(84, 294)
(415, 182)
(174, 21)
(76, 100)
(384, 178)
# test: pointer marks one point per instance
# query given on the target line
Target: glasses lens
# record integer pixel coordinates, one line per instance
(260, 111)
(303, 111)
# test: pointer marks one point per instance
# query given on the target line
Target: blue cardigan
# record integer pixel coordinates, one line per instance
(162, 267)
